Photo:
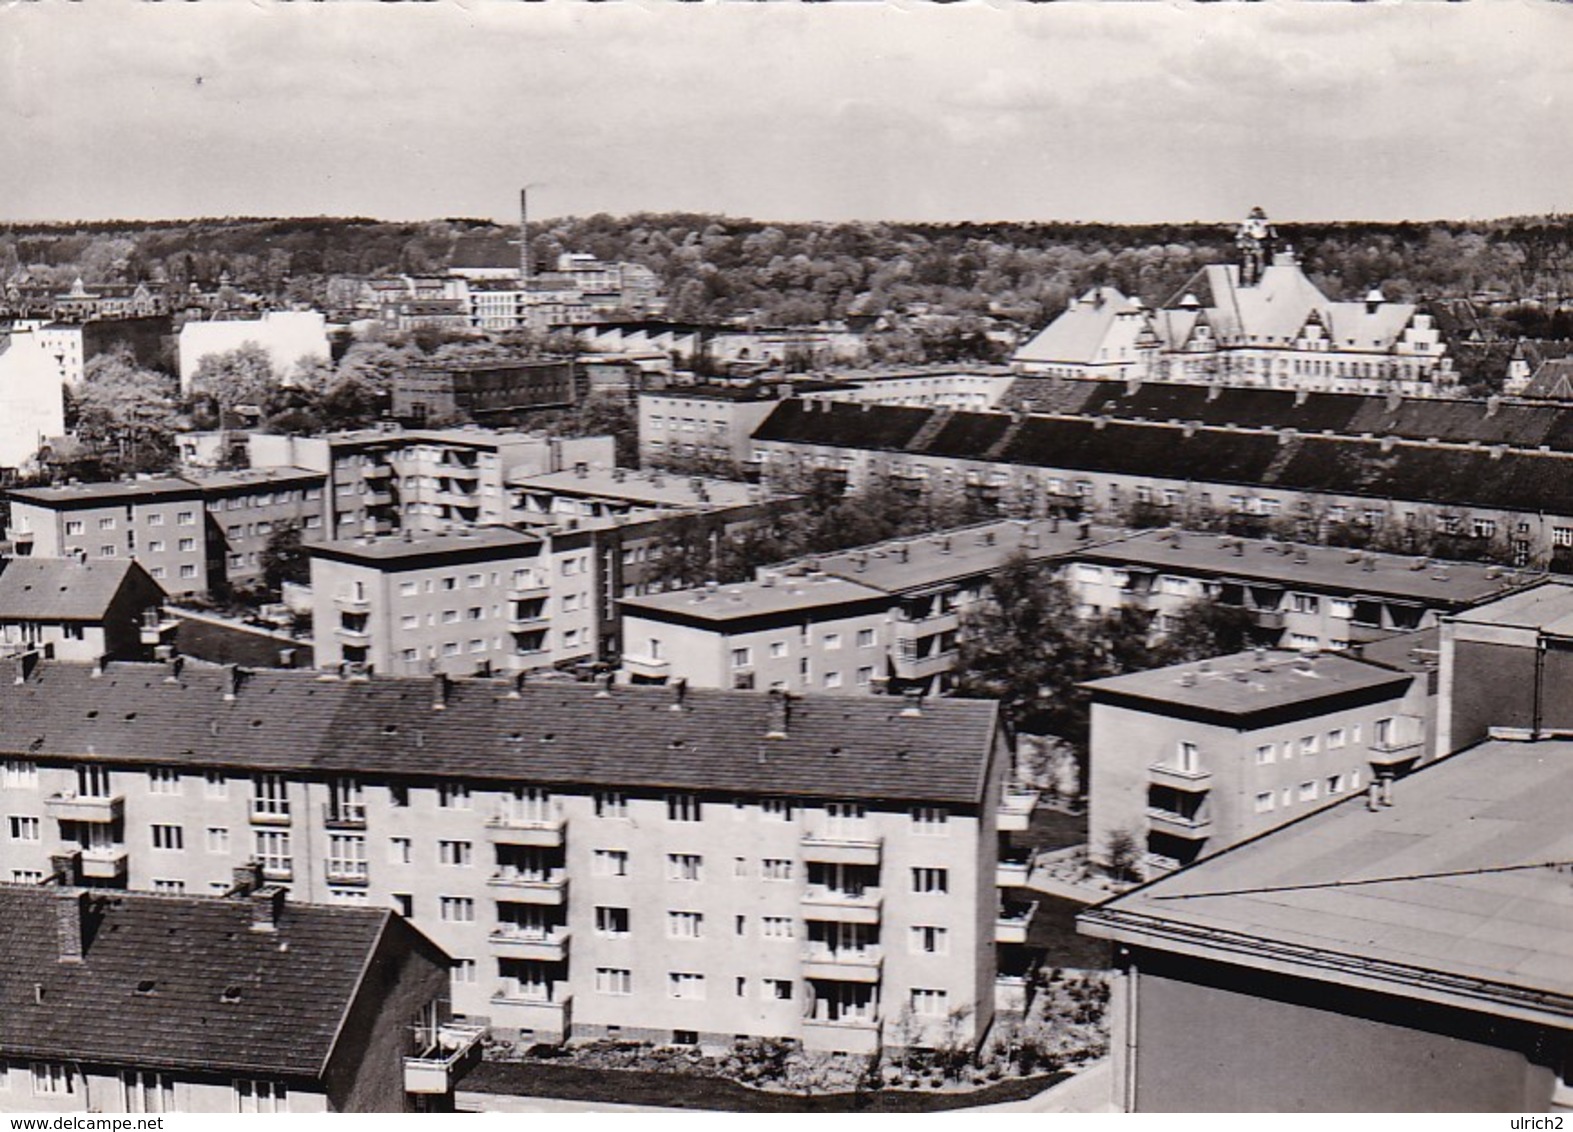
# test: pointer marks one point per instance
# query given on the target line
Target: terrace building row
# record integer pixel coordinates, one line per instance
(1456, 500)
(682, 866)
(889, 617)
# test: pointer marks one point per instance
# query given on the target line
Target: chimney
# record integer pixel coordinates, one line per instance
(232, 681)
(98, 666)
(267, 907)
(913, 706)
(1386, 782)
(1493, 405)
(679, 693)
(1261, 659)
(71, 923)
(1373, 796)
(605, 681)
(286, 658)
(173, 667)
(1301, 395)
(520, 678)
(245, 879)
(441, 686)
(24, 665)
(66, 868)
(1395, 400)
(780, 713)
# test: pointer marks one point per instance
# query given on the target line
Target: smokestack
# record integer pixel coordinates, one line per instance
(780, 711)
(524, 237)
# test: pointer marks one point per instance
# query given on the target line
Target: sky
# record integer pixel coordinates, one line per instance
(856, 109)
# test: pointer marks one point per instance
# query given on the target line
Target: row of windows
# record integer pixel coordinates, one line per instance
(145, 1091)
(109, 522)
(1307, 791)
(744, 656)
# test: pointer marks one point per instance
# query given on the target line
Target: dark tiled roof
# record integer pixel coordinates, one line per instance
(849, 425)
(294, 984)
(553, 733)
(63, 589)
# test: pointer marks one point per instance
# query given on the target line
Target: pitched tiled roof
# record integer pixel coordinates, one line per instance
(1088, 326)
(552, 733)
(1552, 379)
(63, 589)
(294, 984)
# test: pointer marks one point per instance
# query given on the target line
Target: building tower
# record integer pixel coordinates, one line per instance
(1254, 239)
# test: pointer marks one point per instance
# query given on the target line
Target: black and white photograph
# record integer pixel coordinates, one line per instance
(865, 556)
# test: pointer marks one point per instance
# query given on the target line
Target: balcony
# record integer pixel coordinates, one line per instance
(1268, 618)
(19, 538)
(351, 604)
(912, 628)
(278, 816)
(1186, 781)
(646, 667)
(157, 626)
(1396, 752)
(104, 864)
(843, 1035)
(455, 1052)
(1012, 922)
(460, 472)
(343, 816)
(533, 616)
(545, 832)
(842, 848)
(546, 946)
(842, 905)
(1012, 874)
(527, 888)
(1015, 810)
(1193, 827)
(924, 667)
(377, 472)
(352, 636)
(351, 873)
(518, 1010)
(529, 588)
(91, 808)
(379, 497)
(847, 965)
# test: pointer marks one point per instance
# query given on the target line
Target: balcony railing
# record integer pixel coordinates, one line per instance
(544, 831)
(268, 816)
(842, 847)
(91, 808)
(348, 872)
(1012, 874)
(845, 905)
(532, 888)
(1190, 827)
(550, 1012)
(352, 604)
(455, 1052)
(104, 864)
(344, 815)
(1015, 809)
(1393, 752)
(847, 1034)
(548, 946)
(858, 965)
(646, 667)
(1012, 922)
(1189, 781)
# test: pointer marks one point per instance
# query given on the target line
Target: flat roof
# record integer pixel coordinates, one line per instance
(254, 477)
(1449, 892)
(755, 599)
(1548, 607)
(84, 494)
(662, 489)
(390, 547)
(945, 556)
(480, 437)
(1246, 683)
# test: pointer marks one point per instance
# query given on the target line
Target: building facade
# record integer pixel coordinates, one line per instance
(286, 337)
(85, 611)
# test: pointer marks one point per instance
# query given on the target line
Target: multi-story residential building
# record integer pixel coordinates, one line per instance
(484, 392)
(974, 390)
(1397, 956)
(192, 534)
(245, 509)
(1191, 759)
(658, 863)
(1454, 499)
(30, 389)
(158, 521)
(704, 422)
(588, 493)
(74, 344)
(144, 1003)
(385, 480)
(286, 337)
(474, 600)
(80, 610)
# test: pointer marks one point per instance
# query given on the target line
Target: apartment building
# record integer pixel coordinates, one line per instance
(704, 422)
(79, 610)
(30, 387)
(973, 391)
(287, 337)
(601, 861)
(1188, 760)
(386, 480)
(484, 392)
(191, 533)
(475, 600)
(587, 493)
(1511, 504)
(1409, 957)
(129, 1002)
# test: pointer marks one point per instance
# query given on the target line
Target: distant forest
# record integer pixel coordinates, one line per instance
(717, 267)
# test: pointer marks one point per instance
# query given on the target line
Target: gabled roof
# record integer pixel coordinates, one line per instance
(1552, 379)
(151, 989)
(1447, 895)
(1102, 318)
(1368, 326)
(550, 733)
(63, 589)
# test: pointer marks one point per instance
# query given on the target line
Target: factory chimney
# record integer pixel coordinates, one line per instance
(524, 237)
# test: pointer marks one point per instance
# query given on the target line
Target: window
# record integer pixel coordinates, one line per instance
(1264, 802)
(215, 785)
(929, 1003)
(930, 821)
(684, 984)
(777, 927)
(742, 658)
(156, 545)
(186, 518)
(682, 807)
(455, 853)
(1308, 791)
(273, 854)
(1304, 603)
(1308, 745)
(404, 904)
(261, 1096)
(611, 922)
(927, 940)
(22, 876)
(1560, 536)
(400, 850)
(832, 679)
(107, 523)
(1341, 608)
(218, 839)
(865, 638)
(24, 828)
(683, 866)
(609, 804)
(776, 809)
(1335, 784)
(73, 526)
(465, 971)
(775, 990)
(453, 796)
(188, 571)
(1264, 754)
(269, 797)
(865, 675)
(1335, 738)
(684, 925)
(609, 862)
(163, 780)
(142, 1091)
(187, 545)
(614, 980)
(107, 551)
(832, 641)
(53, 1079)
(456, 909)
(19, 774)
(170, 887)
(346, 857)
(775, 868)
(169, 837)
(932, 880)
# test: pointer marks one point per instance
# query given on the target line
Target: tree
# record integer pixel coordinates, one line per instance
(244, 376)
(1206, 628)
(1122, 852)
(126, 412)
(284, 558)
